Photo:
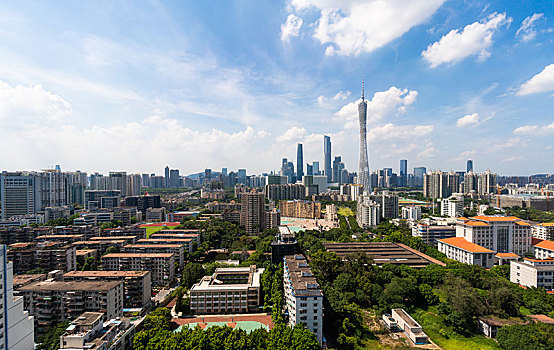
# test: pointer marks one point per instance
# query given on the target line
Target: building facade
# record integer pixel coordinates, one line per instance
(533, 273)
(457, 248)
(161, 265)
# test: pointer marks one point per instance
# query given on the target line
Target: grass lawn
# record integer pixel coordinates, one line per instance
(345, 211)
(447, 339)
(153, 229)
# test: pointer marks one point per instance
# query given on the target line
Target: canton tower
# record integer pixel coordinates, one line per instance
(363, 165)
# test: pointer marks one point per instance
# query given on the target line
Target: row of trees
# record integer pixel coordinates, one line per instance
(272, 288)
(158, 334)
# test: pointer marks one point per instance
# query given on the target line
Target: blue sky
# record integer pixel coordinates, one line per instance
(135, 86)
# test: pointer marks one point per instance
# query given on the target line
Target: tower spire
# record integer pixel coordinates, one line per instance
(362, 88)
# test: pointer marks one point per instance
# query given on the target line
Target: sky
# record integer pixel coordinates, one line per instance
(138, 85)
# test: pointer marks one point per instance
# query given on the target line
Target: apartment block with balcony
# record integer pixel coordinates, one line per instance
(137, 284)
(161, 265)
(177, 249)
(303, 295)
(53, 302)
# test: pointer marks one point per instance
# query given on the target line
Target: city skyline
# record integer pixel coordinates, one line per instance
(102, 86)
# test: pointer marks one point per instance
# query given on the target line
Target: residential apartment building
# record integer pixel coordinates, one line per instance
(100, 246)
(228, 290)
(285, 192)
(187, 243)
(533, 273)
(16, 326)
(161, 265)
(503, 234)
(90, 331)
(412, 212)
(544, 230)
(388, 203)
(44, 255)
(177, 249)
(252, 214)
(303, 295)
(457, 248)
(19, 194)
(136, 284)
(368, 213)
(53, 302)
(452, 207)
(300, 209)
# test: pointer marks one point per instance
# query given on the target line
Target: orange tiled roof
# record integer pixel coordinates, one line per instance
(545, 244)
(538, 260)
(475, 223)
(507, 255)
(460, 242)
(523, 223)
(547, 224)
(496, 218)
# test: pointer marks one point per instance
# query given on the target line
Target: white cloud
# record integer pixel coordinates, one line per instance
(382, 103)
(429, 152)
(535, 129)
(474, 39)
(30, 105)
(391, 131)
(320, 100)
(542, 82)
(294, 133)
(291, 27)
(470, 119)
(527, 30)
(512, 159)
(351, 27)
(342, 95)
(467, 155)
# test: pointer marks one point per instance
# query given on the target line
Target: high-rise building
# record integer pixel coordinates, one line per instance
(252, 212)
(363, 164)
(469, 166)
(17, 327)
(134, 183)
(316, 168)
(166, 177)
(403, 172)
(241, 176)
(309, 169)
(146, 180)
(287, 169)
(299, 162)
(19, 194)
(435, 185)
(174, 178)
(327, 157)
(119, 181)
(338, 166)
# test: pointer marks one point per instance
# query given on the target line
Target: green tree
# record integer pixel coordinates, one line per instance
(51, 340)
(192, 273)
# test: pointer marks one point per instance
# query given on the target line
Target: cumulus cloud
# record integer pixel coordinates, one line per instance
(391, 131)
(535, 129)
(382, 103)
(342, 95)
(428, 152)
(470, 119)
(352, 27)
(30, 105)
(527, 30)
(291, 27)
(294, 133)
(542, 82)
(474, 39)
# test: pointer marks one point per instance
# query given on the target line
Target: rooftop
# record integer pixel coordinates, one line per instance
(302, 280)
(385, 253)
(106, 273)
(153, 246)
(87, 318)
(496, 218)
(460, 242)
(138, 255)
(507, 255)
(71, 286)
(112, 237)
(545, 244)
(213, 283)
(546, 224)
(147, 240)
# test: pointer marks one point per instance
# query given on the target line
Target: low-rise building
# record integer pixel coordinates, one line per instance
(100, 246)
(155, 214)
(89, 331)
(505, 258)
(186, 242)
(228, 290)
(127, 239)
(300, 209)
(162, 265)
(430, 234)
(137, 284)
(44, 255)
(413, 330)
(303, 295)
(413, 212)
(457, 248)
(53, 302)
(533, 273)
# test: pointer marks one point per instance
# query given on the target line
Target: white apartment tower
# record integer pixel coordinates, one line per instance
(16, 326)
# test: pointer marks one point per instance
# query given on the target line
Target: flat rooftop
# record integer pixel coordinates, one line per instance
(138, 255)
(153, 246)
(302, 280)
(112, 238)
(385, 253)
(179, 240)
(71, 285)
(87, 318)
(121, 274)
(22, 280)
(212, 282)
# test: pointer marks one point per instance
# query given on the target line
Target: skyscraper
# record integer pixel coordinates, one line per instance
(403, 172)
(166, 178)
(299, 162)
(363, 164)
(327, 157)
(316, 168)
(469, 166)
(252, 212)
(19, 194)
